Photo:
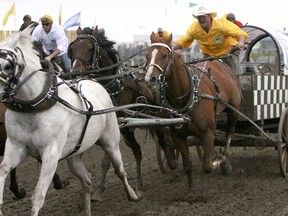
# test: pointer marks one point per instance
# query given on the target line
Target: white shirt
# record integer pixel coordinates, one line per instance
(56, 38)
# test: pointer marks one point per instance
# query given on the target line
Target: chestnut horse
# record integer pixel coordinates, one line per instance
(92, 50)
(200, 91)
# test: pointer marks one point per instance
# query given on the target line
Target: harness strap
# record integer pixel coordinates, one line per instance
(41, 102)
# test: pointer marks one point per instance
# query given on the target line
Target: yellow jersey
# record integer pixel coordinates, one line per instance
(165, 34)
(217, 42)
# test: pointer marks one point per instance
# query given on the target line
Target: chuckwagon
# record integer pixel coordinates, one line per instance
(265, 89)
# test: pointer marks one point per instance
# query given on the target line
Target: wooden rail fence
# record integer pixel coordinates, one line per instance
(70, 34)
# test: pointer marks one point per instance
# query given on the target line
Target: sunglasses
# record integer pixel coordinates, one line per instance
(45, 24)
(202, 16)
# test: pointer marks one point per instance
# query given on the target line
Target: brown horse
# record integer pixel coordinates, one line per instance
(200, 91)
(92, 50)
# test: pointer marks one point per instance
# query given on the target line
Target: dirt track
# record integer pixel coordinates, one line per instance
(256, 187)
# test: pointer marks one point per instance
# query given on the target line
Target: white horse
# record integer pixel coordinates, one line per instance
(50, 121)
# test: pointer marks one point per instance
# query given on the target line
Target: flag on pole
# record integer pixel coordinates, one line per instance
(10, 12)
(60, 15)
(72, 21)
(192, 4)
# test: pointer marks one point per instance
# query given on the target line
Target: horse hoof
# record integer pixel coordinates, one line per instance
(226, 168)
(139, 195)
(65, 183)
(97, 196)
(173, 164)
(61, 185)
(21, 193)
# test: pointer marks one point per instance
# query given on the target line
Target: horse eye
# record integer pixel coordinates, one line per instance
(8, 67)
(164, 56)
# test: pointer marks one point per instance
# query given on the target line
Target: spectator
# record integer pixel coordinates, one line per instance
(162, 33)
(27, 20)
(215, 38)
(231, 17)
(54, 41)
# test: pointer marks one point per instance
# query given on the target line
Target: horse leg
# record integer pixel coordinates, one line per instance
(105, 165)
(113, 152)
(77, 167)
(231, 122)
(166, 143)
(230, 130)
(58, 184)
(49, 164)
(184, 150)
(209, 165)
(211, 162)
(131, 142)
(20, 193)
(12, 157)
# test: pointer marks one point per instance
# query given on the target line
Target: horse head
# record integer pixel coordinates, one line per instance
(22, 81)
(158, 60)
(91, 50)
(15, 53)
(84, 51)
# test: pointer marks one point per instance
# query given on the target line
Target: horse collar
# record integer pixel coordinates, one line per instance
(42, 102)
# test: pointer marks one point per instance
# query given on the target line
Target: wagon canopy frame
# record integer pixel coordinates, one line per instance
(280, 41)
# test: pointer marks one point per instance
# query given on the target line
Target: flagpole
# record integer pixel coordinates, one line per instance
(14, 19)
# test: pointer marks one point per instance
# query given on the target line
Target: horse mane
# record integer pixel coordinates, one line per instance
(21, 40)
(107, 44)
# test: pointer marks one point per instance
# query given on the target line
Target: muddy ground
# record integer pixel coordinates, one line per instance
(255, 187)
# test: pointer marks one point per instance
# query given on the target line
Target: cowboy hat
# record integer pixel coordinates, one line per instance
(203, 11)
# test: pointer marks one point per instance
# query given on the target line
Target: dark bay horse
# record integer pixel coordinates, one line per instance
(201, 91)
(92, 50)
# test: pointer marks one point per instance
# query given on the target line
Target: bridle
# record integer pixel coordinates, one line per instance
(171, 56)
(10, 75)
(94, 62)
(164, 101)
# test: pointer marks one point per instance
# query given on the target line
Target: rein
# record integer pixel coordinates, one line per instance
(119, 63)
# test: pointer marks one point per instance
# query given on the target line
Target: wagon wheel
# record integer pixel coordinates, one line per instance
(162, 160)
(283, 146)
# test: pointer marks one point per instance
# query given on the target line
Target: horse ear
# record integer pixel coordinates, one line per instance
(152, 36)
(79, 30)
(169, 39)
(95, 31)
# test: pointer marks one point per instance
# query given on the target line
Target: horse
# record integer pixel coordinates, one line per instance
(92, 50)
(51, 120)
(201, 91)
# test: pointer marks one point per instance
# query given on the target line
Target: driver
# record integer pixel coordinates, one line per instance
(216, 38)
(54, 41)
